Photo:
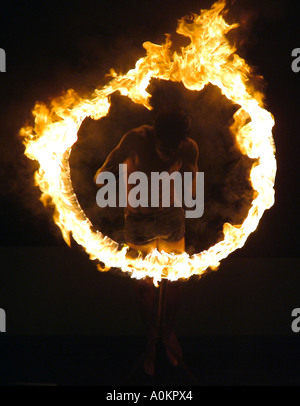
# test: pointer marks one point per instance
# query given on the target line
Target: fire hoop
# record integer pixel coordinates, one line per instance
(209, 58)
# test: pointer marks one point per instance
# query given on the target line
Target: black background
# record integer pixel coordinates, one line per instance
(50, 290)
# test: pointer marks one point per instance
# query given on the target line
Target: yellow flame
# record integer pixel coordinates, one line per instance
(209, 58)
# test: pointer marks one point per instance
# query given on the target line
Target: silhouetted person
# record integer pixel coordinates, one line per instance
(165, 146)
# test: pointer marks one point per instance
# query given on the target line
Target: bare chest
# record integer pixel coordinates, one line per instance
(147, 161)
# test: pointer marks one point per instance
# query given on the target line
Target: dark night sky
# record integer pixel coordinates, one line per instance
(54, 46)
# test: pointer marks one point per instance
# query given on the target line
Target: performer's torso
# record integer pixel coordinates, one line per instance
(146, 159)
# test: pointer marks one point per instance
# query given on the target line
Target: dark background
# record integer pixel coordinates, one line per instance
(49, 290)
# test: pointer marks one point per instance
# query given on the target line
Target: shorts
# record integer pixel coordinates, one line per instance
(167, 224)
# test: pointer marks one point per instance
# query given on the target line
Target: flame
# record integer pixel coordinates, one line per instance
(209, 58)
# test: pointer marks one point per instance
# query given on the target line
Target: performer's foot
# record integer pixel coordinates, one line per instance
(149, 357)
(173, 348)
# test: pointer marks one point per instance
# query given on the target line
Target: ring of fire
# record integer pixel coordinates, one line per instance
(209, 58)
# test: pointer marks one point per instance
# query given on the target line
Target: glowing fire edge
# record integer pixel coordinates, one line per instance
(55, 131)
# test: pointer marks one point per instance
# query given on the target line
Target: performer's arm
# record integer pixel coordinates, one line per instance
(118, 155)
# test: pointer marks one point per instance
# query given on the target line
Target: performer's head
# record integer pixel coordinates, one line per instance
(171, 128)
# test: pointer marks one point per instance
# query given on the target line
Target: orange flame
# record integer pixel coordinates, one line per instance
(209, 58)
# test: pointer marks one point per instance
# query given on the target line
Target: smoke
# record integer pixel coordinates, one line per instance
(228, 193)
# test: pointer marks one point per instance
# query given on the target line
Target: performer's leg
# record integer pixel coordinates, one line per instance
(173, 348)
(146, 297)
